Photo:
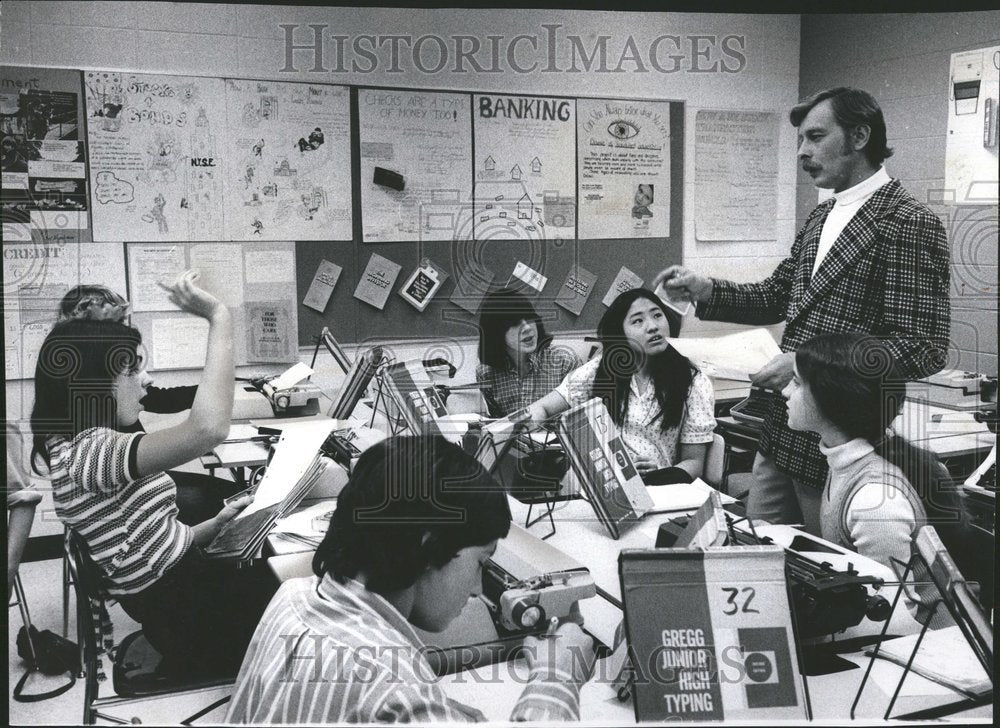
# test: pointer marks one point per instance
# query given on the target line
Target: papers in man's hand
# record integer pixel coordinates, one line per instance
(683, 496)
(944, 657)
(735, 356)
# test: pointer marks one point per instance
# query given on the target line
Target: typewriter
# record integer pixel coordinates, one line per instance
(824, 600)
(526, 583)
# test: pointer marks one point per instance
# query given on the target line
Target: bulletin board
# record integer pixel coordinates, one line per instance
(252, 279)
(353, 321)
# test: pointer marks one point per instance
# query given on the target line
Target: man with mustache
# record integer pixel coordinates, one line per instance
(872, 259)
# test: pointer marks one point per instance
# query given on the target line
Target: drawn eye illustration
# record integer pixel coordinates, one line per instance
(622, 129)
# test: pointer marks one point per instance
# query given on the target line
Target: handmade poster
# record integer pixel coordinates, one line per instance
(626, 280)
(736, 175)
(525, 167)
(288, 154)
(426, 139)
(270, 331)
(323, 283)
(623, 167)
(44, 174)
(376, 281)
(710, 635)
(156, 147)
(423, 283)
(576, 289)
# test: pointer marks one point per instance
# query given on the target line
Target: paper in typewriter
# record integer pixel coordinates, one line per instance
(602, 464)
(710, 634)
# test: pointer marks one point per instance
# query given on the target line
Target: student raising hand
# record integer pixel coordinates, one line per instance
(189, 297)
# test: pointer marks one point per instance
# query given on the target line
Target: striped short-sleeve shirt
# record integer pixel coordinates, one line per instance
(129, 523)
(333, 653)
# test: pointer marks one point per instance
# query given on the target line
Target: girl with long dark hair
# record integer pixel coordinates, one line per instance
(663, 404)
(517, 363)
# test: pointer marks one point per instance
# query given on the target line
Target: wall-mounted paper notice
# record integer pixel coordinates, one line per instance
(422, 284)
(269, 331)
(736, 175)
(323, 283)
(530, 276)
(377, 280)
(221, 268)
(626, 280)
(148, 266)
(473, 283)
(576, 290)
(270, 266)
(179, 342)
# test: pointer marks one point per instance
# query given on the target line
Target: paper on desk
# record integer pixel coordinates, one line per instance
(301, 522)
(735, 356)
(944, 657)
(292, 376)
(683, 496)
(241, 432)
(293, 455)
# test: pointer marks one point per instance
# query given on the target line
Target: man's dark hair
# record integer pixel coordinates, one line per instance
(500, 310)
(74, 379)
(852, 108)
(411, 503)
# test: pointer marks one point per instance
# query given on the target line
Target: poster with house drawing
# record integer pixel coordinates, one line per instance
(525, 167)
(623, 168)
(156, 165)
(426, 138)
(288, 161)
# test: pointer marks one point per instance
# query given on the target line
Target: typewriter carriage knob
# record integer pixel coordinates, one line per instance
(527, 615)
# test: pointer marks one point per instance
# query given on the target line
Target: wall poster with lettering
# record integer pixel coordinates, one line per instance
(156, 145)
(44, 174)
(736, 175)
(288, 154)
(426, 139)
(710, 635)
(270, 331)
(525, 167)
(623, 168)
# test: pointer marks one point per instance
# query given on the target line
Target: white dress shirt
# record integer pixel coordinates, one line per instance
(846, 206)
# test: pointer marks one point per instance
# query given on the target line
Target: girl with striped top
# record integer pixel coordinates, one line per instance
(110, 487)
(405, 550)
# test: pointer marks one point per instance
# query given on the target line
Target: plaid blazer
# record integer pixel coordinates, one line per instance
(887, 275)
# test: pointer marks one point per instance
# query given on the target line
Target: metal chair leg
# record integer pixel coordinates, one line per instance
(22, 605)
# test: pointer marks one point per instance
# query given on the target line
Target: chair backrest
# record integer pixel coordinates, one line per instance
(86, 585)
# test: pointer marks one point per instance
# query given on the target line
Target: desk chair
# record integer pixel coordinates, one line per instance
(134, 663)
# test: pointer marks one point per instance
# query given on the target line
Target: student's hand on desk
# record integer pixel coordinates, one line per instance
(232, 509)
(190, 298)
(570, 650)
(777, 373)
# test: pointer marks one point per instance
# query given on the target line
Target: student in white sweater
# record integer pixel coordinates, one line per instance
(881, 489)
